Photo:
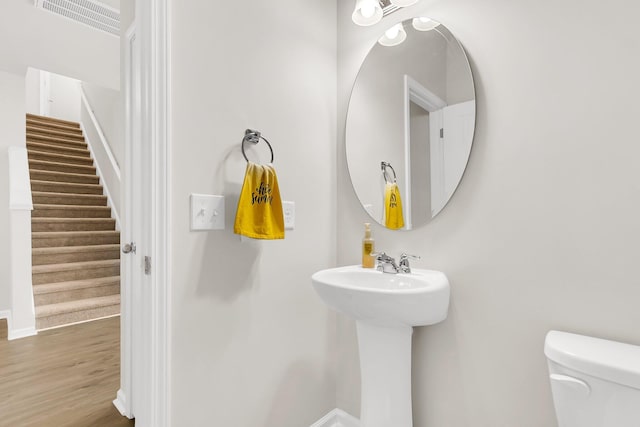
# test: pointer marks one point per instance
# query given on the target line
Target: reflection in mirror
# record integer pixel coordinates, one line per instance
(413, 108)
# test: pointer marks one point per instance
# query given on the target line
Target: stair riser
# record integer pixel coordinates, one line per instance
(60, 177)
(50, 125)
(60, 158)
(86, 273)
(74, 226)
(71, 213)
(69, 168)
(57, 133)
(56, 141)
(78, 316)
(69, 200)
(56, 149)
(76, 294)
(76, 257)
(56, 242)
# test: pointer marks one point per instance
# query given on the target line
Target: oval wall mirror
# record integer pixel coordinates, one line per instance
(410, 124)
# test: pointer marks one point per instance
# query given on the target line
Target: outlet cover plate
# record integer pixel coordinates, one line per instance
(207, 212)
(289, 212)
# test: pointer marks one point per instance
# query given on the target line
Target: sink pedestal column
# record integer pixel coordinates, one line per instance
(385, 366)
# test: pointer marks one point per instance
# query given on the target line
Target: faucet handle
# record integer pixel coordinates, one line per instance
(404, 262)
(406, 257)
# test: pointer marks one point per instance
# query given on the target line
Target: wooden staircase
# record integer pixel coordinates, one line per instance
(76, 248)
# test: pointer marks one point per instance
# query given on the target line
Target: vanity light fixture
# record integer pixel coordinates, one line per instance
(393, 36)
(367, 12)
(424, 24)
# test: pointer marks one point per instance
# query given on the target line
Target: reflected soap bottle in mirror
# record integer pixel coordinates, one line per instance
(368, 247)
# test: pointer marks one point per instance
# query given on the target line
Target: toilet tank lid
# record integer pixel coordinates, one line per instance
(609, 360)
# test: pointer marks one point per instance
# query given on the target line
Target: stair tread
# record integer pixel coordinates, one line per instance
(61, 156)
(39, 145)
(52, 119)
(73, 249)
(49, 268)
(30, 136)
(48, 288)
(54, 234)
(77, 305)
(47, 125)
(68, 184)
(64, 175)
(71, 207)
(51, 125)
(47, 162)
(80, 195)
(55, 132)
(45, 219)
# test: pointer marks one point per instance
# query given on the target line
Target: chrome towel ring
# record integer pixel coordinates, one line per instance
(253, 136)
(385, 173)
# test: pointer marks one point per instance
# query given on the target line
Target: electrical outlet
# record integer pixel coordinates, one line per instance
(289, 212)
(207, 212)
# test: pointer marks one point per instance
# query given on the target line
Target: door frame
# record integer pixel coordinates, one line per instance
(429, 101)
(152, 38)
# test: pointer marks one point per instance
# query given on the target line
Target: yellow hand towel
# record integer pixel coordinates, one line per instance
(259, 214)
(393, 217)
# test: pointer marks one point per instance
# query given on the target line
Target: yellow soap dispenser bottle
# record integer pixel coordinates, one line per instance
(368, 247)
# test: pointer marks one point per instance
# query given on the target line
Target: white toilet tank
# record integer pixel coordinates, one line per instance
(595, 382)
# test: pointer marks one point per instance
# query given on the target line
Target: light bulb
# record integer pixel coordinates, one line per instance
(367, 12)
(393, 36)
(392, 32)
(424, 24)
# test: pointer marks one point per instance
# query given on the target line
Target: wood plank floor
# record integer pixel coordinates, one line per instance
(63, 377)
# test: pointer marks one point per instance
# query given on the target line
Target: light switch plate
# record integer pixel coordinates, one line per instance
(207, 212)
(289, 212)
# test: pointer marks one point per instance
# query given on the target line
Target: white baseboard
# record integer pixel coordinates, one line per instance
(120, 403)
(14, 334)
(337, 418)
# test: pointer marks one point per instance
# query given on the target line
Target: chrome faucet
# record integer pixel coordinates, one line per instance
(387, 264)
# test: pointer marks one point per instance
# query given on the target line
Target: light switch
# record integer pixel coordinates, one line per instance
(207, 212)
(289, 212)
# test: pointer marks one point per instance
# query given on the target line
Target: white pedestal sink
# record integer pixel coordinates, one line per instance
(386, 307)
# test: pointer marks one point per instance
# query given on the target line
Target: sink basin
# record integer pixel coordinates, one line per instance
(386, 307)
(417, 299)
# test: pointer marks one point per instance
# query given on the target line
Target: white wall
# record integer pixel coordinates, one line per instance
(64, 97)
(543, 230)
(36, 38)
(12, 133)
(32, 91)
(107, 105)
(251, 344)
(104, 161)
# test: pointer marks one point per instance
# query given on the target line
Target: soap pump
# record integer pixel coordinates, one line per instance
(368, 247)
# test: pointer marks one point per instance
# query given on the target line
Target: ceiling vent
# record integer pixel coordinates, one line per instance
(88, 12)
